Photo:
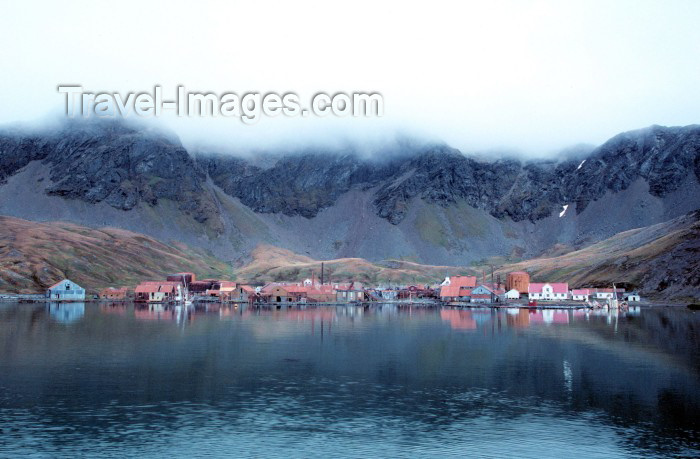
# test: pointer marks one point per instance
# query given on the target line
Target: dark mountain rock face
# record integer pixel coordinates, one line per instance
(110, 162)
(295, 185)
(123, 166)
(305, 184)
(663, 157)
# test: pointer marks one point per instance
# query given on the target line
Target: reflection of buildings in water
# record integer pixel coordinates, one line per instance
(198, 310)
(555, 316)
(153, 311)
(228, 311)
(305, 312)
(67, 312)
(387, 311)
(518, 317)
(303, 315)
(610, 315)
(522, 318)
(481, 316)
(549, 316)
(352, 311)
(113, 308)
(458, 319)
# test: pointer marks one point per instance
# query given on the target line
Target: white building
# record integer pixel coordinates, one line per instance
(548, 291)
(606, 293)
(582, 294)
(513, 294)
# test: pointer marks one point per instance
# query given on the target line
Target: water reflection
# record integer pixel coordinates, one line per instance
(457, 318)
(387, 380)
(66, 312)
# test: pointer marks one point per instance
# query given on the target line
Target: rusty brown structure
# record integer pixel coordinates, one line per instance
(518, 280)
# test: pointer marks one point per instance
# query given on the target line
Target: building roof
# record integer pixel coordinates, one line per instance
(155, 287)
(57, 284)
(581, 291)
(557, 287)
(454, 290)
(485, 287)
(456, 284)
(115, 290)
(173, 283)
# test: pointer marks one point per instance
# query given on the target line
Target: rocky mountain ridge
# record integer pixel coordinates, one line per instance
(430, 203)
(122, 165)
(532, 190)
(112, 162)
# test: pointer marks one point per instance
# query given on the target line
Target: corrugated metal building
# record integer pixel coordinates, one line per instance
(66, 290)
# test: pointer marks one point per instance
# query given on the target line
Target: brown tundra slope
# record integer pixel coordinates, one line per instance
(273, 264)
(35, 255)
(662, 261)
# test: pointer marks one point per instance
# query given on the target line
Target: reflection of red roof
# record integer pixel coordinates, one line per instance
(152, 314)
(459, 320)
(307, 314)
(457, 283)
(557, 287)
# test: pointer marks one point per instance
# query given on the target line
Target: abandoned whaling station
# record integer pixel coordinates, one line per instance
(185, 288)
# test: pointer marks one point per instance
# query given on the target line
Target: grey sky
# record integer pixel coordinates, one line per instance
(533, 76)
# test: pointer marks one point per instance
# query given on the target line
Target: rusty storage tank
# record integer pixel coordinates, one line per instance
(519, 280)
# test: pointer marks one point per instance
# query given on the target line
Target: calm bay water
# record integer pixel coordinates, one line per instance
(115, 380)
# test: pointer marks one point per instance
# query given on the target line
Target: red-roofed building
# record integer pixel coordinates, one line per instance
(111, 293)
(244, 292)
(548, 291)
(457, 288)
(321, 293)
(156, 291)
(284, 293)
(225, 290)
